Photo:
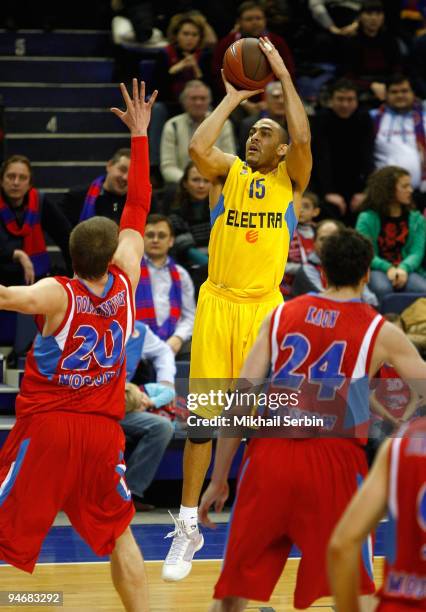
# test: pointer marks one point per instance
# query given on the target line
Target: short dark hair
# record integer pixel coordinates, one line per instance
(248, 6)
(397, 79)
(372, 6)
(92, 245)
(120, 153)
(343, 85)
(346, 257)
(158, 218)
(13, 159)
(339, 225)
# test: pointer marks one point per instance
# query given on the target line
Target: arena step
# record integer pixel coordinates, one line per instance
(7, 399)
(66, 147)
(60, 175)
(44, 95)
(62, 120)
(13, 377)
(57, 69)
(7, 327)
(58, 42)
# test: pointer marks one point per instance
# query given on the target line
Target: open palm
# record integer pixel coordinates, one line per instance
(138, 112)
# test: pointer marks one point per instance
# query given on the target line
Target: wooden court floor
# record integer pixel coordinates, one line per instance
(87, 587)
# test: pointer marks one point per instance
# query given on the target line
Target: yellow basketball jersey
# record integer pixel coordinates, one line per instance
(252, 225)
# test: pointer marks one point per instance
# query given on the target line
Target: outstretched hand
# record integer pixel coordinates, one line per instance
(138, 112)
(216, 494)
(239, 94)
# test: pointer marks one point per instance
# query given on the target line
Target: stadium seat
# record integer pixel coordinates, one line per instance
(397, 302)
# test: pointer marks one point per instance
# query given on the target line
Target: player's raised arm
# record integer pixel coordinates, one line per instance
(132, 225)
(211, 161)
(299, 156)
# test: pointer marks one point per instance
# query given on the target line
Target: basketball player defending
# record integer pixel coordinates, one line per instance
(66, 450)
(396, 484)
(295, 490)
(254, 209)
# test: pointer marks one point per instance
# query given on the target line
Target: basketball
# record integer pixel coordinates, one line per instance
(246, 66)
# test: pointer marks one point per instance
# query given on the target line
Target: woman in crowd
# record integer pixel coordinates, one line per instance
(397, 231)
(190, 217)
(185, 58)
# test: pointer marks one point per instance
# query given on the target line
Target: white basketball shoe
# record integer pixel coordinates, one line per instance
(187, 540)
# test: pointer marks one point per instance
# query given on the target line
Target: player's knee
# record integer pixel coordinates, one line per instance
(199, 440)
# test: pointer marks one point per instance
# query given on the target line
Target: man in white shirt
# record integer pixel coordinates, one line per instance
(147, 434)
(166, 291)
(401, 134)
(177, 133)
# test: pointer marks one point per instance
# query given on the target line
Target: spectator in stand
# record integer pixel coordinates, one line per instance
(184, 59)
(190, 216)
(400, 128)
(372, 55)
(274, 110)
(338, 19)
(417, 65)
(166, 291)
(251, 22)
(397, 232)
(310, 276)
(178, 131)
(147, 434)
(302, 243)
(25, 216)
(105, 196)
(342, 145)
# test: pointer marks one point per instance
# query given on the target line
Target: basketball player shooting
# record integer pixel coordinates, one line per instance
(254, 206)
(66, 450)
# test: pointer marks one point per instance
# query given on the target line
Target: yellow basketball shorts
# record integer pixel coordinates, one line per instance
(225, 329)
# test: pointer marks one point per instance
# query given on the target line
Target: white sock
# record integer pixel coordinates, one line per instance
(189, 514)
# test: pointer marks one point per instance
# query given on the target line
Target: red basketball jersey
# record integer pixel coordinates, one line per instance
(81, 367)
(321, 349)
(405, 571)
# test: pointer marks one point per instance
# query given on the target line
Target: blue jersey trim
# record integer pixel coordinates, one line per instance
(357, 404)
(390, 539)
(106, 288)
(17, 464)
(218, 210)
(365, 552)
(290, 219)
(47, 355)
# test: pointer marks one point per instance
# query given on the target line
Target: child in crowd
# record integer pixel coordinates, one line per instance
(303, 240)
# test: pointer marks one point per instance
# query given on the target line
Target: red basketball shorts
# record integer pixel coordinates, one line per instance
(290, 492)
(62, 461)
(400, 606)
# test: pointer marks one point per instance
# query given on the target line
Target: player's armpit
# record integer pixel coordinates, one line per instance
(46, 297)
(212, 163)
